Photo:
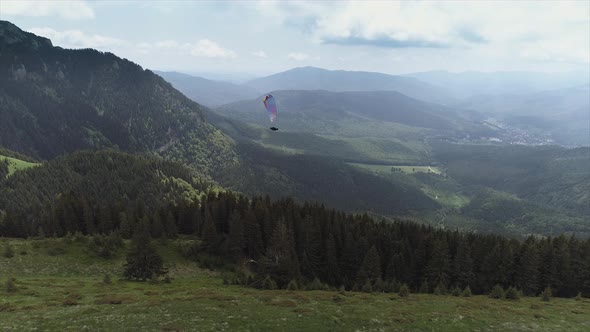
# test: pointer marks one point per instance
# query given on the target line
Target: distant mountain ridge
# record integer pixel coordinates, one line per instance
(311, 78)
(472, 83)
(305, 110)
(208, 92)
(563, 114)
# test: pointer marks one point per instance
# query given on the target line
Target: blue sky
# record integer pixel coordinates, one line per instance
(264, 37)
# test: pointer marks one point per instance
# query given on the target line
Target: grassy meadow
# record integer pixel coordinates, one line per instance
(16, 164)
(59, 286)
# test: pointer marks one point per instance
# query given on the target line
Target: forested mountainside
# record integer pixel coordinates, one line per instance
(54, 101)
(94, 180)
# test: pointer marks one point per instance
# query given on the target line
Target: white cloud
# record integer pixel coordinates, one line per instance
(70, 10)
(260, 54)
(549, 30)
(77, 39)
(298, 56)
(210, 49)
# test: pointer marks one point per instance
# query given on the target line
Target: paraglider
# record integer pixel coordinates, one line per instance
(271, 109)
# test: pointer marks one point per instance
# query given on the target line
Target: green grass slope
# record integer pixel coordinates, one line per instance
(59, 290)
(16, 164)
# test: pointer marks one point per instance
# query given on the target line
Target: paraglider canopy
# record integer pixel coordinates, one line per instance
(271, 109)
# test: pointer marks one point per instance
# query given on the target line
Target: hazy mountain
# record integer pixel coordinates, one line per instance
(208, 92)
(471, 83)
(54, 101)
(310, 78)
(324, 111)
(564, 114)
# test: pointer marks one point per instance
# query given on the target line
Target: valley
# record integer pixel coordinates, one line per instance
(135, 195)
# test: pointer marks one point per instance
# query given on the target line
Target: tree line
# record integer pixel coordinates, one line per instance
(286, 242)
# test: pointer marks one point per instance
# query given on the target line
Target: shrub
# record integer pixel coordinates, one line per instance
(316, 284)
(154, 279)
(167, 280)
(10, 286)
(456, 291)
(292, 285)
(404, 291)
(8, 252)
(424, 288)
(72, 299)
(379, 285)
(512, 294)
(107, 279)
(497, 292)
(546, 294)
(579, 296)
(268, 283)
(466, 292)
(367, 288)
(440, 289)
(342, 290)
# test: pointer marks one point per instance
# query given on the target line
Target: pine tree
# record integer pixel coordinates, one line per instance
(463, 264)
(236, 235)
(209, 236)
(371, 266)
(142, 259)
(125, 226)
(404, 291)
(439, 266)
(157, 228)
(170, 229)
(331, 269)
(546, 294)
(527, 271)
(280, 260)
(497, 292)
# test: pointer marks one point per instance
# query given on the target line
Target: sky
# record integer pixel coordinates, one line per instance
(264, 37)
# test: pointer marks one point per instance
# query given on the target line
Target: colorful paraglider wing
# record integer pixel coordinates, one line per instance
(271, 107)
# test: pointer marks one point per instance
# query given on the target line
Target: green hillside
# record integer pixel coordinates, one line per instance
(12, 165)
(54, 101)
(197, 299)
(98, 179)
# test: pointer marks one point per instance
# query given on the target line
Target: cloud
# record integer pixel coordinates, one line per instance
(260, 54)
(77, 39)
(210, 49)
(550, 30)
(297, 56)
(69, 10)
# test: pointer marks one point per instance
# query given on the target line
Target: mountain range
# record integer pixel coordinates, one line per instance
(359, 150)
(311, 78)
(208, 92)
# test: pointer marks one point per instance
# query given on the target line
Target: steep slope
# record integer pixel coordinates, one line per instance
(54, 101)
(207, 92)
(310, 78)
